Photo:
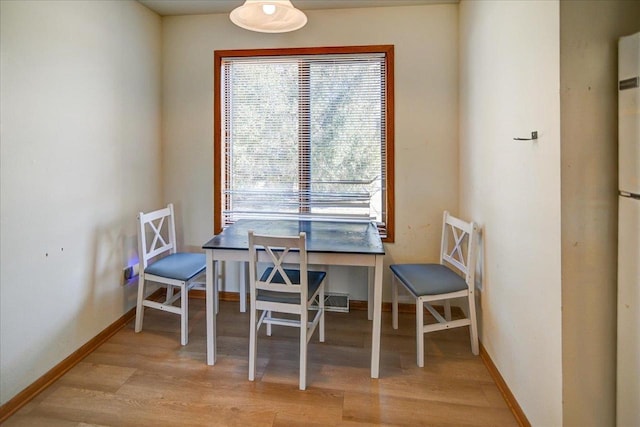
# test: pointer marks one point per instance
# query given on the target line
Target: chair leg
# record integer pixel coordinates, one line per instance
(321, 308)
(268, 324)
(394, 302)
(216, 297)
(184, 313)
(243, 286)
(447, 310)
(253, 342)
(169, 293)
(303, 348)
(419, 332)
(473, 326)
(140, 306)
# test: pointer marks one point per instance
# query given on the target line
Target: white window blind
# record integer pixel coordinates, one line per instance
(304, 136)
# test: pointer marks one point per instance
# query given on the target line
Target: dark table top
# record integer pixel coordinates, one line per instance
(322, 236)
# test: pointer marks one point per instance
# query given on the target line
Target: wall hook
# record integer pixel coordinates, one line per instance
(534, 136)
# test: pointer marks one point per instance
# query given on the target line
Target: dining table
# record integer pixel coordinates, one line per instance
(329, 242)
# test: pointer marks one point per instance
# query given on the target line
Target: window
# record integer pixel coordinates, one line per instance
(304, 132)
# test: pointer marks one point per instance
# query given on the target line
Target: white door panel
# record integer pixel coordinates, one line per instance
(628, 384)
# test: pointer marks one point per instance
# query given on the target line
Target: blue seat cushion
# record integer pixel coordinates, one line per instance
(180, 266)
(314, 280)
(428, 279)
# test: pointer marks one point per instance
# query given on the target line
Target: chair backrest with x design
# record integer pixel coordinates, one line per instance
(279, 250)
(160, 227)
(456, 246)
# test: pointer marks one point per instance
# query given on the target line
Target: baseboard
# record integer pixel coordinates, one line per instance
(222, 295)
(22, 398)
(517, 411)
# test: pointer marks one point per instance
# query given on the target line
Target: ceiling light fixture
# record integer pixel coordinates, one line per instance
(274, 16)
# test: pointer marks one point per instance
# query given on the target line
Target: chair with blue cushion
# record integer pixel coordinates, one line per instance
(453, 277)
(290, 290)
(161, 263)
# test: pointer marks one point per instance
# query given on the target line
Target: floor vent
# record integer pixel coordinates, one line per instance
(334, 302)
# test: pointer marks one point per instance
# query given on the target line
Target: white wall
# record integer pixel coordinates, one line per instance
(426, 80)
(80, 156)
(589, 31)
(509, 86)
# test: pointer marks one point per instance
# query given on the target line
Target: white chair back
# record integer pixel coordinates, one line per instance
(278, 250)
(160, 227)
(458, 246)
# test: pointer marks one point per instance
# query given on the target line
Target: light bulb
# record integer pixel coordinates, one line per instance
(269, 9)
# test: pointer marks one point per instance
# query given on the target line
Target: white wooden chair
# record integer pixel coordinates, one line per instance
(452, 278)
(283, 290)
(160, 262)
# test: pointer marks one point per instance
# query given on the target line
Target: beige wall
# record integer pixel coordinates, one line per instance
(588, 75)
(509, 86)
(80, 155)
(426, 81)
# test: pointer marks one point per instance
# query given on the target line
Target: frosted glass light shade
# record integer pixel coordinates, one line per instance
(274, 16)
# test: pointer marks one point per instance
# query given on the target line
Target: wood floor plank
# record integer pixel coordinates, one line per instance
(150, 379)
(45, 421)
(112, 409)
(96, 376)
(366, 407)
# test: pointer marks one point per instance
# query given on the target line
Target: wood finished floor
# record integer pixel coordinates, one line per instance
(148, 379)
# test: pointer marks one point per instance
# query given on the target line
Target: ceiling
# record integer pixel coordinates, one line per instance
(202, 7)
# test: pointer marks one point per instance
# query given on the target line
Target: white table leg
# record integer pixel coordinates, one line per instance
(377, 318)
(216, 286)
(370, 279)
(212, 274)
(243, 286)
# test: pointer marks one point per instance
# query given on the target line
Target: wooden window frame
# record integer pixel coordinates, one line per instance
(388, 51)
